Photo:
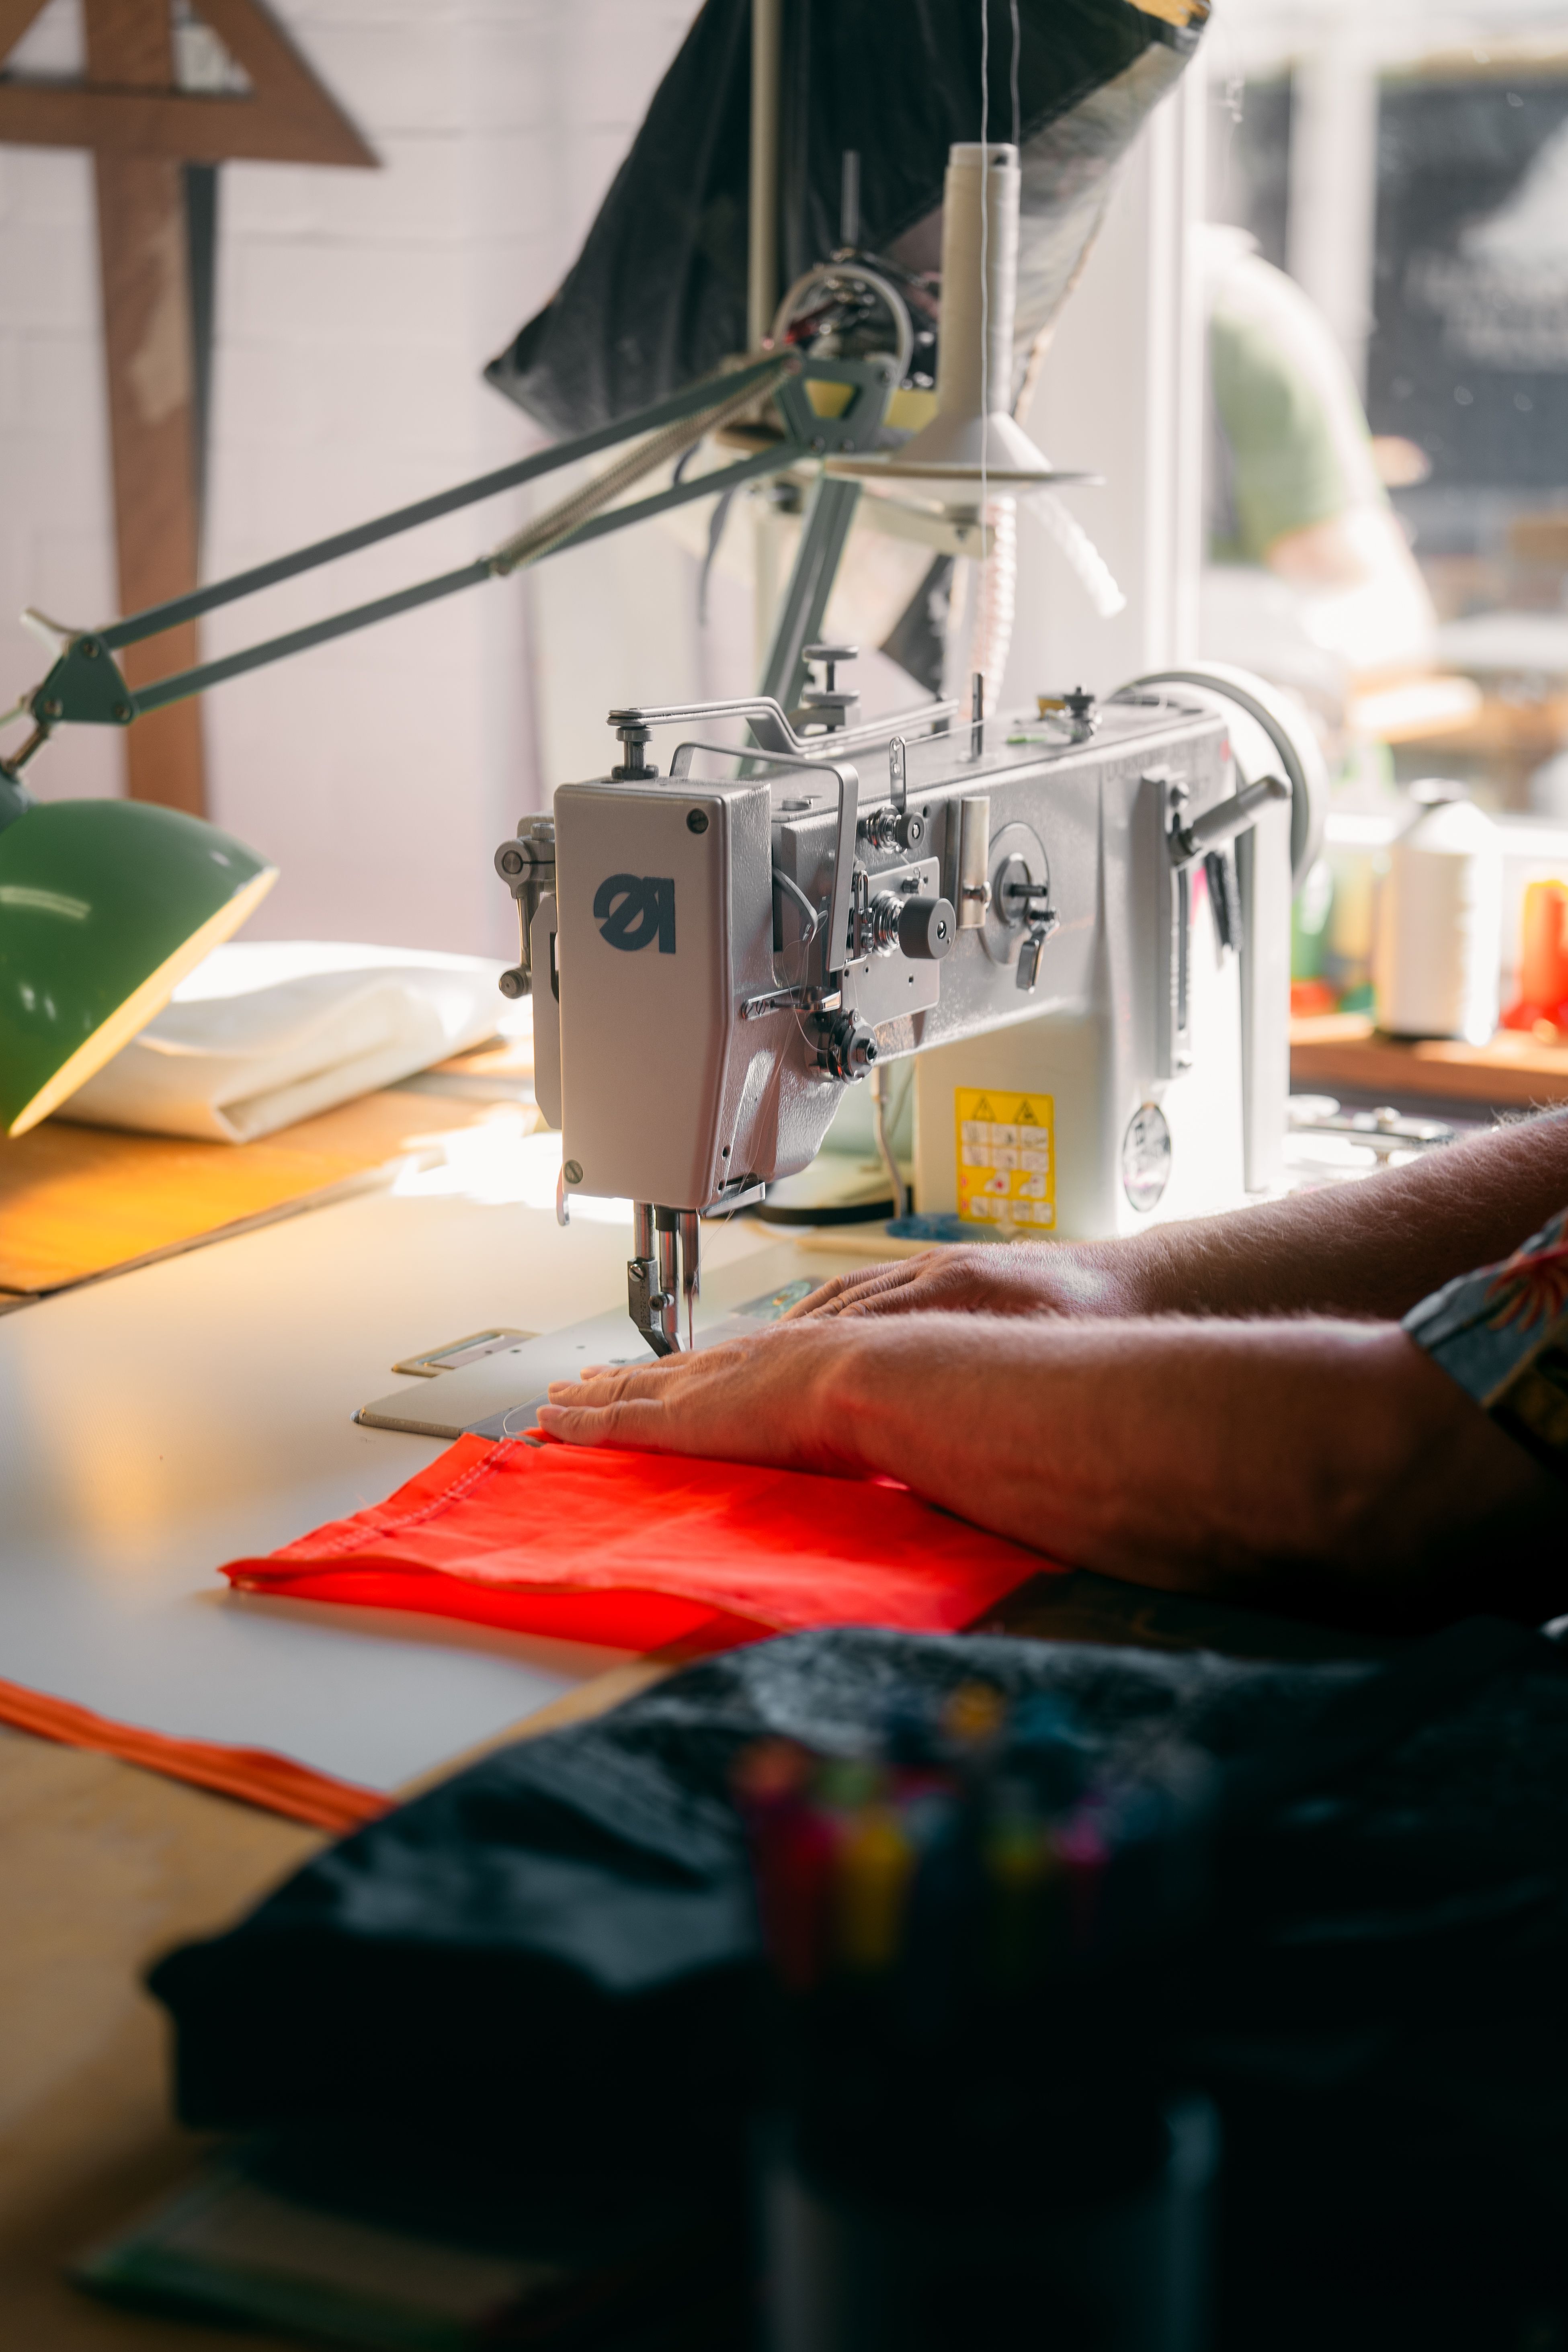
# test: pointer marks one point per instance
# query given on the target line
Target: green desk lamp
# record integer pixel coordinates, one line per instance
(105, 905)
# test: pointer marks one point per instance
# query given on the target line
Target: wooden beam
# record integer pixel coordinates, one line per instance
(147, 339)
(15, 16)
(287, 95)
(198, 129)
(142, 129)
(129, 109)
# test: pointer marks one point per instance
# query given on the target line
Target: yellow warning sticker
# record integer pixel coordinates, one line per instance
(1007, 1159)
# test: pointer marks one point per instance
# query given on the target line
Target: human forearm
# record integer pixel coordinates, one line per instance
(1319, 1463)
(1370, 1248)
(1332, 1467)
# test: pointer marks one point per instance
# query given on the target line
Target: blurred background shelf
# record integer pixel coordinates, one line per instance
(1344, 1054)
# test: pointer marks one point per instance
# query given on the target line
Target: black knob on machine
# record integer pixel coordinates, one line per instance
(927, 929)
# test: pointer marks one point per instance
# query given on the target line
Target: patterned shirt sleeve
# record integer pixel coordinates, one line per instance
(1502, 1333)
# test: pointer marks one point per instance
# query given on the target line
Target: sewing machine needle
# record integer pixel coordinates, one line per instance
(691, 1270)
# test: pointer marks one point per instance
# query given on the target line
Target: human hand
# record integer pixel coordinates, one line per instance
(989, 1278)
(765, 1399)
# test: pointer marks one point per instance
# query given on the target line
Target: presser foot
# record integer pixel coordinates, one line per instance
(646, 1305)
(665, 1271)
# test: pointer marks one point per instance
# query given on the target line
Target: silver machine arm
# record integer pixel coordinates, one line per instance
(716, 954)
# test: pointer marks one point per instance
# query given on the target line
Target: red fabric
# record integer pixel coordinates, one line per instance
(641, 1551)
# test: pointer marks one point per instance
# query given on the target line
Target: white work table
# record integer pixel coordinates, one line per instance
(157, 1423)
(154, 1426)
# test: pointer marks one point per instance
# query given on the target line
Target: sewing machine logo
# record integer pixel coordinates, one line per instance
(632, 909)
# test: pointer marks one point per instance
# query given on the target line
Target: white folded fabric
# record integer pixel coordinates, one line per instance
(267, 1032)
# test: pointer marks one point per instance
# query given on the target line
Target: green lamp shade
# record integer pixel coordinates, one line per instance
(105, 905)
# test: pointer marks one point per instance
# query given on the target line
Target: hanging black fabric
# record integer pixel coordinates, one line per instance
(657, 295)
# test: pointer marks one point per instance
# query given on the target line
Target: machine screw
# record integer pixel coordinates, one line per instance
(514, 982)
(696, 820)
(573, 1171)
(122, 712)
(88, 647)
(510, 861)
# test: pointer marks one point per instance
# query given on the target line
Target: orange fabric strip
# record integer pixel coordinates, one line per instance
(255, 1775)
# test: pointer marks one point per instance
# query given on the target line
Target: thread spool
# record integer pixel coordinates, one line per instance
(973, 435)
(1542, 1000)
(1439, 926)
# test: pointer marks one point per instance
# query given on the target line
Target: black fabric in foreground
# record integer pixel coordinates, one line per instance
(570, 1921)
(549, 1966)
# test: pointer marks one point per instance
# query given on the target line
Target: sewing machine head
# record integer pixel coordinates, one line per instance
(1079, 921)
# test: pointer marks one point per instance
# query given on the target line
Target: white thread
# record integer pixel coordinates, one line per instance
(1013, 77)
(1094, 573)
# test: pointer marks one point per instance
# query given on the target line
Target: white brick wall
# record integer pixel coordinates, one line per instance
(55, 547)
(354, 312)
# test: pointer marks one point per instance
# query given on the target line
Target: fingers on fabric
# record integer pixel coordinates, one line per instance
(606, 1384)
(598, 1384)
(607, 1387)
(633, 1423)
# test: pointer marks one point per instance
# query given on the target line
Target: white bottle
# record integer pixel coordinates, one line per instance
(1439, 922)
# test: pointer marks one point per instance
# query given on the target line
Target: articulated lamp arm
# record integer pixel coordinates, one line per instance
(87, 687)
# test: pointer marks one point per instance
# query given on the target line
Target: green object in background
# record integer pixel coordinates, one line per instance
(1311, 912)
(105, 905)
(1285, 471)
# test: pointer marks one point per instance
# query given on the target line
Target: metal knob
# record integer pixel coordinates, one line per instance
(890, 828)
(925, 928)
(830, 702)
(633, 731)
(831, 655)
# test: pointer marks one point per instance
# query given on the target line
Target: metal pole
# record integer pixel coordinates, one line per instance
(689, 402)
(762, 267)
(800, 616)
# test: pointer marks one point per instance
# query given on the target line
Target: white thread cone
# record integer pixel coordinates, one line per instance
(973, 433)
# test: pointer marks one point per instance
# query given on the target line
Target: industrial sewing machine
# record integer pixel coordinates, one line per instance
(1079, 922)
